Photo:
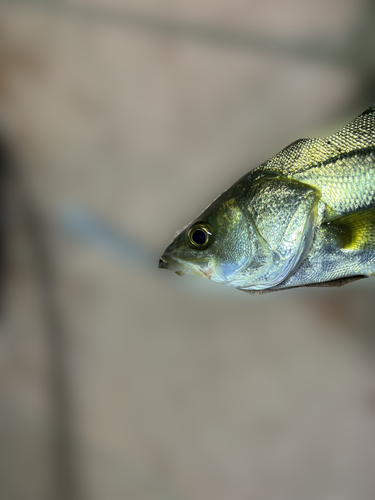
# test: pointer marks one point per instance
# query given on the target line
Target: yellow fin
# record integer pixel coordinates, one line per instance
(355, 231)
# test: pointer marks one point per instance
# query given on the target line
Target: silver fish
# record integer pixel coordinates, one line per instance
(305, 217)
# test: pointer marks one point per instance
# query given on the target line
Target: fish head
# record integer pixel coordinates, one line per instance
(251, 237)
(217, 245)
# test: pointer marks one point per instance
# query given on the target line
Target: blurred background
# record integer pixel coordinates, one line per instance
(123, 119)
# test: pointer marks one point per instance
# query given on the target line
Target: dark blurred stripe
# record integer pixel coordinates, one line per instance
(4, 167)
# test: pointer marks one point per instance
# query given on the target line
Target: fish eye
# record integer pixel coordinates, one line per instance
(200, 235)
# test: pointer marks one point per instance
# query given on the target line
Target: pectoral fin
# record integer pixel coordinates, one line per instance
(345, 246)
(355, 231)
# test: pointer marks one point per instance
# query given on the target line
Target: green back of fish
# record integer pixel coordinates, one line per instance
(341, 167)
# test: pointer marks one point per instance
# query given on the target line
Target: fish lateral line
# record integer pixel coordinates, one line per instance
(334, 159)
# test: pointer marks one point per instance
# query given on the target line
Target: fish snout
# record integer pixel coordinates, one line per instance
(166, 261)
(163, 263)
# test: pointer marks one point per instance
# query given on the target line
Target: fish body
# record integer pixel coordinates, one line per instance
(304, 217)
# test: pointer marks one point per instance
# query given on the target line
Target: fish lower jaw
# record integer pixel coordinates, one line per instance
(206, 273)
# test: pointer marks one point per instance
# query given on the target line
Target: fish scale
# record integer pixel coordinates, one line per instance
(346, 185)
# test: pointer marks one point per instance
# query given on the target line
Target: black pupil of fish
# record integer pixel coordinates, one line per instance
(199, 237)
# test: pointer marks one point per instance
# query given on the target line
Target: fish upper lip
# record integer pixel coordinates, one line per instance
(171, 263)
(166, 260)
(162, 263)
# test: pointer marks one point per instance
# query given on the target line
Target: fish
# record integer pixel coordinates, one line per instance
(305, 217)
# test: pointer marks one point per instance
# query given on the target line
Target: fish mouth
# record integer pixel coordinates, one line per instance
(182, 267)
(166, 261)
(163, 263)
